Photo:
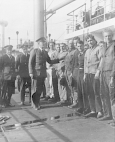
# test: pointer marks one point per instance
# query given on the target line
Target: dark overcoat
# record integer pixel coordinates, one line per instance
(21, 65)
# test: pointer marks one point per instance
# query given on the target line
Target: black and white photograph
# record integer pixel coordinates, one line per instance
(57, 70)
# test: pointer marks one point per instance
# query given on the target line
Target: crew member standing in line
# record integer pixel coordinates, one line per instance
(105, 69)
(37, 70)
(23, 72)
(112, 94)
(61, 78)
(68, 71)
(7, 65)
(74, 73)
(82, 97)
(91, 63)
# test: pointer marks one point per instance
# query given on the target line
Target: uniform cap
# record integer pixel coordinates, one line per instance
(8, 47)
(41, 39)
(25, 45)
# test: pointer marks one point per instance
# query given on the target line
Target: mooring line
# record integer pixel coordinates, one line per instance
(4, 135)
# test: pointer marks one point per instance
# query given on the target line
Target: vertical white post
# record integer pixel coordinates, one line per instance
(38, 20)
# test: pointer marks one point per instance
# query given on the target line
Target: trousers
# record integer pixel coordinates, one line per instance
(37, 86)
(23, 81)
(94, 93)
(105, 95)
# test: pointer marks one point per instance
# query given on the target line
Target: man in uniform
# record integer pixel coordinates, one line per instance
(37, 70)
(23, 72)
(7, 65)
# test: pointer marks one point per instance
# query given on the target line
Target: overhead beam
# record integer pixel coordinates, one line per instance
(66, 2)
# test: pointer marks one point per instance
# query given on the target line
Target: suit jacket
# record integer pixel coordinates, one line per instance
(7, 65)
(37, 62)
(21, 65)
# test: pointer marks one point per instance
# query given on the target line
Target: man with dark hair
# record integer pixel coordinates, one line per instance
(76, 38)
(21, 66)
(83, 105)
(91, 62)
(37, 70)
(7, 65)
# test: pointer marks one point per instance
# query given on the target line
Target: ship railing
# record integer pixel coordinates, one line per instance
(102, 12)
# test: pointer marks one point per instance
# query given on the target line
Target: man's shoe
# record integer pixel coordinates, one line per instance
(112, 123)
(86, 111)
(10, 105)
(105, 118)
(99, 115)
(47, 98)
(36, 108)
(39, 107)
(91, 115)
(79, 110)
(22, 103)
(73, 106)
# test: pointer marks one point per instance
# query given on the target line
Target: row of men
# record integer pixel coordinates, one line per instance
(86, 77)
(16, 69)
(10, 69)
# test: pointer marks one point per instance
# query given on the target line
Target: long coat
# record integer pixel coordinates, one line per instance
(22, 65)
(37, 67)
(7, 65)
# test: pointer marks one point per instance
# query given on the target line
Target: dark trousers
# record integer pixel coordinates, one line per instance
(80, 88)
(112, 99)
(55, 88)
(0, 92)
(94, 93)
(23, 81)
(112, 93)
(44, 91)
(85, 94)
(8, 87)
(74, 85)
(105, 79)
(37, 86)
